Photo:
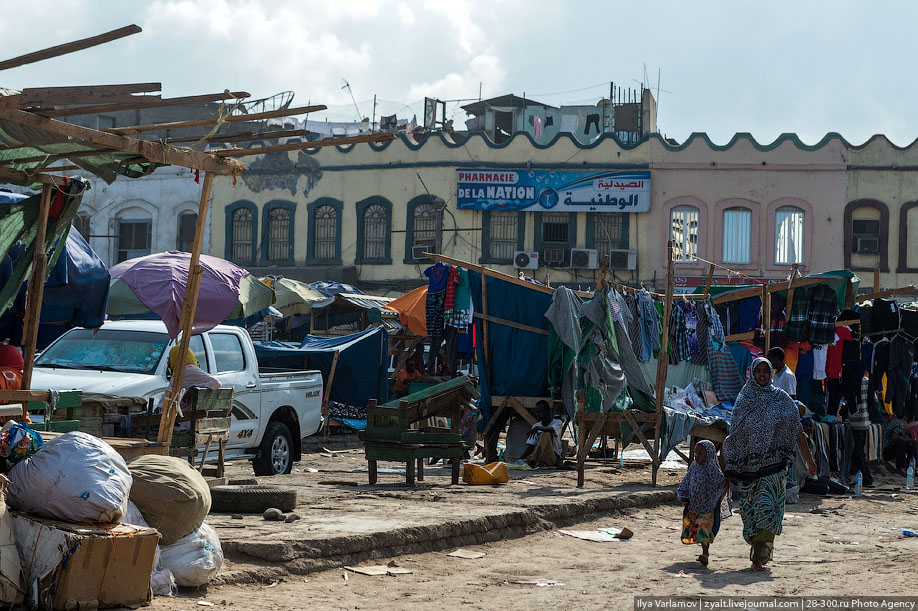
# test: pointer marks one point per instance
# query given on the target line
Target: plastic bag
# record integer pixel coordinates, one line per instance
(18, 442)
(491, 473)
(194, 560)
(161, 581)
(75, 477)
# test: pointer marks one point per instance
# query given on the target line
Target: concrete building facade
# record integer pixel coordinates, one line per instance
(356, 213)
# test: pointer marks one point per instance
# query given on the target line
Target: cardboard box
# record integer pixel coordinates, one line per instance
(75, 566)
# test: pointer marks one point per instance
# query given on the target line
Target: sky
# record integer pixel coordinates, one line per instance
(808, 66)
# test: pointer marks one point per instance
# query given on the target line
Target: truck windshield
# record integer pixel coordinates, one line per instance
(128, 351)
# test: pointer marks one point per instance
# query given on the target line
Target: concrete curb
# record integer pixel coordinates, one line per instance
(254, 562)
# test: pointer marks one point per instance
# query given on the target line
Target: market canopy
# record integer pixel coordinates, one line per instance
(292, 296)
(412, 310)
(156, 283)
(360, 374)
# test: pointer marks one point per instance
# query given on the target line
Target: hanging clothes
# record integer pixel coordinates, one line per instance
(563, 343)
(820, 353)
(702, 331)
(715, 328)
(462, 302)
(690, 315)
(728, 313)
(901, 357)
(835, 350)
(748, 314)
(742, 356)
(880, 363)
(797, 327)
(823, 312)
(452, 280)
(634, 325)
(679, 345)
(650, 327)
(433, 310)
(437, 275)
(778, 319)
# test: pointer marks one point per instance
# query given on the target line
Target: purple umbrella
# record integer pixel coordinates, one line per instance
(156, 283)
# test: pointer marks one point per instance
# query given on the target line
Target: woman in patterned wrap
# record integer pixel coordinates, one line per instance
(764, 433)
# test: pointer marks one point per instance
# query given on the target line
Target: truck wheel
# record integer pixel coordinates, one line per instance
(276, 451)
(251, 499)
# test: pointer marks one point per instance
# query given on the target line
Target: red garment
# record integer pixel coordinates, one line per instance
(10, 357)
(834, 352)
(451, 283)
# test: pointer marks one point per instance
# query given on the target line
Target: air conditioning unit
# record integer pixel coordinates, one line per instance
(584, 258)
(867, 245)
(555, 256)
(623, 259)
(525, 260)
(419, 248)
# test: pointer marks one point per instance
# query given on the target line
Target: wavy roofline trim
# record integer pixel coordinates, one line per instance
(416, 145)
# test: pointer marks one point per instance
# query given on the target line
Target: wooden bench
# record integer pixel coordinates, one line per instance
(389, 434)
(208, 414)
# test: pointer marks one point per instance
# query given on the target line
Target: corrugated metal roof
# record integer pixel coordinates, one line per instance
(366, 302)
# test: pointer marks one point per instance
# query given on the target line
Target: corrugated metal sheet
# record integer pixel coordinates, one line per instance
(737, 235)
(367, 302)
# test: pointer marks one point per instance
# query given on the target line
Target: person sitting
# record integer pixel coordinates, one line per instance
(784, 378)
(543, 444)
(897, 446)
(408, 373)
(417, 357)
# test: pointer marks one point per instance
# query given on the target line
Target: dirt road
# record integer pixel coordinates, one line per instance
(830, 546)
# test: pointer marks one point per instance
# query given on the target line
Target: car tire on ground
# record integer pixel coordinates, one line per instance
(251, 499)
(275, 452)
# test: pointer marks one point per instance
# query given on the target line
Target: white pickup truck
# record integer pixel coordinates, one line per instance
(272, 412)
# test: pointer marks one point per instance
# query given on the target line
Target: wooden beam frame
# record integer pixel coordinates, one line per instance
(886, 293)
(151, 151)
(271, 114)
(662, 364)
(69, 47)
(88, 94)
(36, 289)
(189, 306)
(245, 136)
(18, 176)
(139, 102)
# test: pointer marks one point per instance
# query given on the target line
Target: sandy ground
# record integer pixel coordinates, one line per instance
(830, 546)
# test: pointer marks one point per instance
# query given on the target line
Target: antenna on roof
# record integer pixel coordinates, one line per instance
(347, 86)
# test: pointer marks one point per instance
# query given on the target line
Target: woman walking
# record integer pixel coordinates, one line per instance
(764, 433)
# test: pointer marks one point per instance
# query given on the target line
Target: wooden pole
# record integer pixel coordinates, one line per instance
(484, 324)
(190, 304)
(707, 284)
(36, 290)
(766, 316)
(663, 360)
(876, 280)
(326, 398)
(70, 47)
(601, 276)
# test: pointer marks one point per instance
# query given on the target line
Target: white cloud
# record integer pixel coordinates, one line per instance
(406, 14)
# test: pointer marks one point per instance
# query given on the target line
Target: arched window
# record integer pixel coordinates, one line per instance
(325, 219)
(375, 230)
(185, 235)
(789, 225)
(426, 219)
(278, 234)
(684, 222)
(242, 229)
(737, 236)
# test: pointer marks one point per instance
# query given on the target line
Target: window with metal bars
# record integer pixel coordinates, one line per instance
(683, 232)
(426, 226)
(326, 233)
(186, 226)
(504, 227)
(555, 227)
(375, 227)
(134, 239)
(788, 235)
(278, 234)
(609, 232)
(242, 235)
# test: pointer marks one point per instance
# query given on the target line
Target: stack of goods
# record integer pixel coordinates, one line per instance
(173, 497)
(74, 480)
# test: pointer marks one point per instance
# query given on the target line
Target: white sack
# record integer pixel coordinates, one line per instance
(75, 478)
(195, 559)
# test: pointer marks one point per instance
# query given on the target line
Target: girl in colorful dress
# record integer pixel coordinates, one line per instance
(702, 491)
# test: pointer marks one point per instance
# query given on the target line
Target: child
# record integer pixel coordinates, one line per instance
(702, 490)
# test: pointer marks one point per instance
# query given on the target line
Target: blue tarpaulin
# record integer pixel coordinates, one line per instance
(518, 359)
(362, 371)
(75, 294)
